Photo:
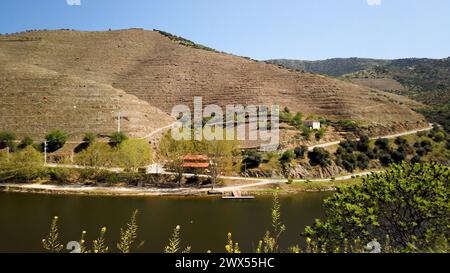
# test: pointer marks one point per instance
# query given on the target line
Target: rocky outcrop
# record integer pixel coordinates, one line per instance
(299, 171)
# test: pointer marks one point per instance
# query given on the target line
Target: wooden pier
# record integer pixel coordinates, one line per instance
(237, 195)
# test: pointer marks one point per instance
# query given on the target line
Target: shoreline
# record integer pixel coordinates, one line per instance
(137, 192)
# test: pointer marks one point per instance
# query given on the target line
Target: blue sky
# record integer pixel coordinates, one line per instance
(261, 29)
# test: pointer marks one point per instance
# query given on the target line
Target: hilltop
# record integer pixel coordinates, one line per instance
(77, 80)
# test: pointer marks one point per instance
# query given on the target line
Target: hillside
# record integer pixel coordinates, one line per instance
(425, 80)
(72, 80)
(336, 67)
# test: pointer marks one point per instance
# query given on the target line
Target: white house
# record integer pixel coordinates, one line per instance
(313, 124)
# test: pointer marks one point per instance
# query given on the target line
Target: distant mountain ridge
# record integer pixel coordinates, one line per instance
(335, 67)
(425, 80)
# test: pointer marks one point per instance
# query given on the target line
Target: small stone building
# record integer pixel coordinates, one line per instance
(313, 124)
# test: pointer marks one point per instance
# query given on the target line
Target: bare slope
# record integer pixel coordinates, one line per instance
(164, 73)
(35, 101)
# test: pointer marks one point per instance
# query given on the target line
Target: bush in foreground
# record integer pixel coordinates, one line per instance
(405, 207)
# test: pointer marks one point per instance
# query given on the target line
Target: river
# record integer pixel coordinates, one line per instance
(205, 222)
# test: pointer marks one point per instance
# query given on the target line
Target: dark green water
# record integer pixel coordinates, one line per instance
(25, 219)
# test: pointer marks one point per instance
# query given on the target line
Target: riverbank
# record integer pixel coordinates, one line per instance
(256, 188)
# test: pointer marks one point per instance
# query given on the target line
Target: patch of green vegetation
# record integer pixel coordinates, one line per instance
(184, 42)
(394, 208)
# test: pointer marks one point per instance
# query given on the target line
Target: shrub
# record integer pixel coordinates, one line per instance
(25, 142)
(319, 156)
(134, 153)
(60, 175)
(403, 216)
(371, 154)
(7, 140)
(416, 159)
(55, 140)
(306, 132)
(383, 144)
(300, 151)
(346, 125)
(421, 134)
(320, 134)
(117, 138)
(439, 136)
(287, 157)
(401, 141)
(97, 155)
(252, 160)
(398, 157)
(386, 159)
(89, 138)
(297, 119)
(405, 150)
(424, 147)
(363, 161)
(348, 145)
(363, 144)
(25, 165)
(347, 161)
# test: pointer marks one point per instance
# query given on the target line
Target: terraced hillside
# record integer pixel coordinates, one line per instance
(139, 71)
(35, 101)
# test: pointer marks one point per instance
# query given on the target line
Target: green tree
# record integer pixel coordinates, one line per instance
(306, 132)
(400, 141)
(55, 140)
(297, 119)
(386, 159)
(363, 161)
(363, 144)
(97, 155)
(319, 156)
(7, 140)
(24, 166)
(252, 159)
(285, 116)
(348, 145)
(117, 138)
(383, 144)
(25, 142)
(220, 153)
(407, 203)
(89, 138)
(173, 151)
(134, 153)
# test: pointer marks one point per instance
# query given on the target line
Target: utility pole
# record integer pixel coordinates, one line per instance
(119, 117)
(118, 121)
(45, 152)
